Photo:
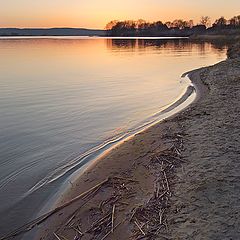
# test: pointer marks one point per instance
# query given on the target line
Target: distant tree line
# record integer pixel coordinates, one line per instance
(177, 27)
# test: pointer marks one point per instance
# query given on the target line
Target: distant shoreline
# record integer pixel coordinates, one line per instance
(91, 37)
(51, 32)
(83, 32)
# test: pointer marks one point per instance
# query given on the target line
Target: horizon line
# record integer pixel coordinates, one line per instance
(54, 28)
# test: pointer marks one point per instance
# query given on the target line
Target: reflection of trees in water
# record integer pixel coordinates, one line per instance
(177, 45)
(119, 44)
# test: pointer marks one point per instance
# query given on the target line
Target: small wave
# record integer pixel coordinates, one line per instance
(96, 151)
(13, 175)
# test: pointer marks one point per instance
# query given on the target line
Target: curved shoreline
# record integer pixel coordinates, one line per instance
(82, 183)
(79, 164)
(98, 167)
(100, 152)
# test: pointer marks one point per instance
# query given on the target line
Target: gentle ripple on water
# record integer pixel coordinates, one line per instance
(63, 98)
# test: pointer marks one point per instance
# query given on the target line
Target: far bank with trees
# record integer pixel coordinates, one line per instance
(176, 28)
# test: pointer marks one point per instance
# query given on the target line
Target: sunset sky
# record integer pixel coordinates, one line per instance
(96, 13)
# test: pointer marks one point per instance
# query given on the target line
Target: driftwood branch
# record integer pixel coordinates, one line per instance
(105, 236)
(140, 228)
(113, 212)
(39, 220)
(57, 237)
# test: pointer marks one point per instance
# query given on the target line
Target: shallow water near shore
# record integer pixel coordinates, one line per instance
(62, 99)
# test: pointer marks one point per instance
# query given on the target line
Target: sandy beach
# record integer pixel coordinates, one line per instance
(179, 179)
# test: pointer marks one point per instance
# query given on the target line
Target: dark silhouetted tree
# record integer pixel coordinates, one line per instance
(221, 22)
(141, 24)
(235, 21)
(168, 24)
(181, 24)
(111, 24)
(190, 23)
(178, 23)
(206, 21)
(177, 27)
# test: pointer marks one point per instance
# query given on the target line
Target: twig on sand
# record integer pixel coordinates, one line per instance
(57, 236)
(163, 194)
(64, 238)
(99, 222)
(39, 220)
(134, 211)
(140, 228)
(77, 230)
(105, 236)
(165, 176)
(113, 212)
(69, 220)
(161, 216)
(126, 179)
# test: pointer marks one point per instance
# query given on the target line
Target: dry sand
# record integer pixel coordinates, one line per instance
(177, 180)
(208, 198)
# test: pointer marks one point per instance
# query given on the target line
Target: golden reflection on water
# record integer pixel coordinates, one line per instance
(59, 54)
(126, 62)
(175, 46)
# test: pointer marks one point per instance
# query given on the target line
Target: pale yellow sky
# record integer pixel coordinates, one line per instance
(96, 13)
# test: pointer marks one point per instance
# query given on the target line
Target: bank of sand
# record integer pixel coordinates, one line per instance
(177, 180)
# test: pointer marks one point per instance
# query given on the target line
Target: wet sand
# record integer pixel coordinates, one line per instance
(178, 179)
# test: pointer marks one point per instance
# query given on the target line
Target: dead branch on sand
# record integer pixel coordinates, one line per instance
(39, 220)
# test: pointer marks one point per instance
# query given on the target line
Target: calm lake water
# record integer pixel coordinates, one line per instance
(61, 98)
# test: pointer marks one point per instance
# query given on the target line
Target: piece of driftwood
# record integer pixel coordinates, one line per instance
(149, 219)
(39, 220)
(161, 216)
(57, 237)
(99, 222)
(165, 176)
(77, 230)
(139, 227)
(113, 212)
(133, 213)
(105, 236)
(62, 237)
(126, 179)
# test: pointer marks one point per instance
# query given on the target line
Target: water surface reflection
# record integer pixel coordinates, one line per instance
(60, 98)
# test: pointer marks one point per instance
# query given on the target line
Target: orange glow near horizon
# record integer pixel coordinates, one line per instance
(96, 14)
